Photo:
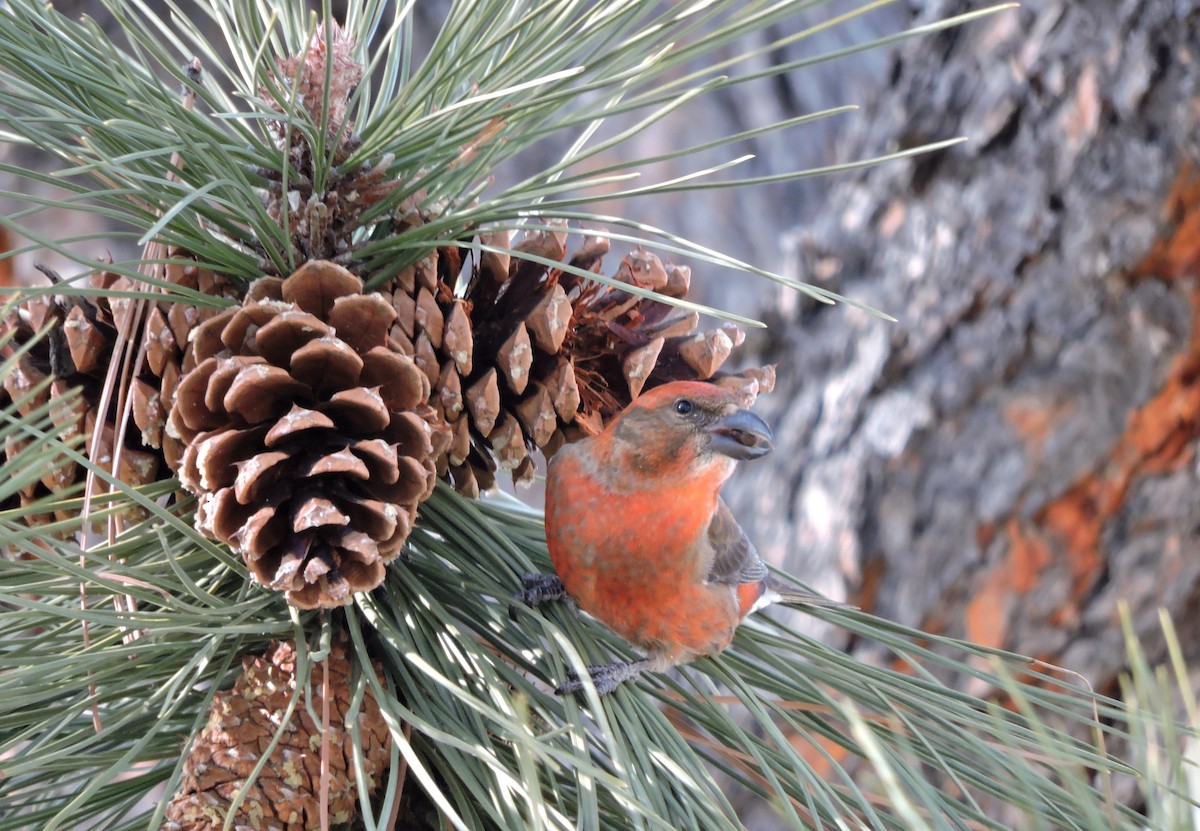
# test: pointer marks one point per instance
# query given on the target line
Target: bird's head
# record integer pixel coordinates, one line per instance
(690, 423)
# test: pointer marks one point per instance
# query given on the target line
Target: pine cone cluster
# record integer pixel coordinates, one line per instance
(522, 357)
(308, 437)
(312, 418)
(241, 726)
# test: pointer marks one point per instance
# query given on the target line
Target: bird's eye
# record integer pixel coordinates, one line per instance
(683, 406)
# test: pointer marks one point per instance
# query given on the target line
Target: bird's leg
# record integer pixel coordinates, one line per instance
(607, 677)
(539, 589)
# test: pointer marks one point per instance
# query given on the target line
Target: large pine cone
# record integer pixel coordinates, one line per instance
(536, 355)
(309, 440)
(242, 723)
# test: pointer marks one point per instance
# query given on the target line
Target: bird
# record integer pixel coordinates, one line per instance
(641, 540)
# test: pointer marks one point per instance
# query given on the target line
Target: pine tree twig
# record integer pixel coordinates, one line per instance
(326, 733)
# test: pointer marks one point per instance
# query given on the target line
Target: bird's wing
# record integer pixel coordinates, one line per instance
(734, 558)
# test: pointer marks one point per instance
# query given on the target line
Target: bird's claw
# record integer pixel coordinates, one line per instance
(605, 677)
(539, 589)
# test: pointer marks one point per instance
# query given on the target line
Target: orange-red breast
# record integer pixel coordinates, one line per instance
(641, 539)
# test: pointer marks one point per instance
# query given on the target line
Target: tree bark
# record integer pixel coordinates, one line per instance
(1016, 456)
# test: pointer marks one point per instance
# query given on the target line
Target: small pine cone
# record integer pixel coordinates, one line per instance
(286, 795)
(321, 80)
(308, 439)
(324, 76)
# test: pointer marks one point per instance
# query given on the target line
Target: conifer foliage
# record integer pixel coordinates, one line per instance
(245, 566)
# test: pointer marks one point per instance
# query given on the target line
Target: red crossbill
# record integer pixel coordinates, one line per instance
(640, 538)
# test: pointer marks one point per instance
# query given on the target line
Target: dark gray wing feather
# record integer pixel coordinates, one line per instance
(734, 558)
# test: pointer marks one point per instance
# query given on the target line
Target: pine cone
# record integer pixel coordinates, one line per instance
(25, 388)
(76, 353)
(534, 356)
(321, 224)
(308, 438)
(286, 794)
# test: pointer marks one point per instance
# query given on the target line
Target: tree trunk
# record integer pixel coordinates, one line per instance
(1016, 456)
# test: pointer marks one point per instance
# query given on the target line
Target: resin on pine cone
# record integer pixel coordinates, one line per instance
(241, 725)
(308, 437)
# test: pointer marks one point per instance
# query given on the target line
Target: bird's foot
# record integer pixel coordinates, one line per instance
(605, 677)
(539, 589)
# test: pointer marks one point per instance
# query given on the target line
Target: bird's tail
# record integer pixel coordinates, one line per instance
(798, 596)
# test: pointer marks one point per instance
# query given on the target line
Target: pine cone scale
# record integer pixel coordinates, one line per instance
(256, 473)
(260, 392)
(362, 321)
(358, 411)
(297, 420)
(325, 361)
(278, 337)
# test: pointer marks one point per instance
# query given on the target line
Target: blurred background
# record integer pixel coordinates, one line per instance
(1014, 457)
